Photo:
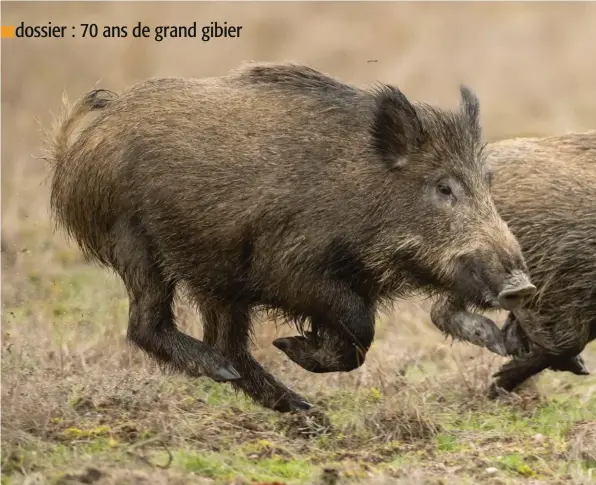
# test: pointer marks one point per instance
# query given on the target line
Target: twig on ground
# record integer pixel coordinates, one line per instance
(142, 444)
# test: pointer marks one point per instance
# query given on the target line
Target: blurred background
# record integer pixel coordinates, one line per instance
(64, 320)
(531, 64)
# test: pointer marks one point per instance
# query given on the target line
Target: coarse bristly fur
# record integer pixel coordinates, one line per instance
(278, 187)
(545, 188)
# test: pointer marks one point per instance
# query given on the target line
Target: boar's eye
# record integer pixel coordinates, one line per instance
(444, 190)
(489, 178)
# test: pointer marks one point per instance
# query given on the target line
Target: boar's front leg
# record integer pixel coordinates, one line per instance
(343, 331)
(453, 320)
(227, 329)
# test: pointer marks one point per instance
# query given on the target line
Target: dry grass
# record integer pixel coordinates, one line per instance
(74, 395)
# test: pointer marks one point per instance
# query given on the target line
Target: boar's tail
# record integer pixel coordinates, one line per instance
(71, 198)
(57, 140)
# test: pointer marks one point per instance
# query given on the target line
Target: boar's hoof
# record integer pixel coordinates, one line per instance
(482, 331)
(300, 405)
(301, 351)
(469, 327)
(225, 374)
(289, 405)
(321, 357)
(575, 365)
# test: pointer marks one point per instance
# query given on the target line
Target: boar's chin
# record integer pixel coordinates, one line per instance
(465, 285)
(472, 292)
(474, 283)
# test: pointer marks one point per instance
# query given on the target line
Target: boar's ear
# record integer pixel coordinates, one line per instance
(396, 130)
(470, 107)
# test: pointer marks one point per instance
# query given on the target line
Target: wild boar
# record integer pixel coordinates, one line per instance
(545, 189)
(279, 187)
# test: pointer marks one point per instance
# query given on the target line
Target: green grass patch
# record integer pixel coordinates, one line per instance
(448, 443)
(553, 419)
(225, 467)
(518, 464)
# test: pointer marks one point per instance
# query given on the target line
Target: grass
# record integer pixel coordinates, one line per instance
(80, 406)
(105, 406)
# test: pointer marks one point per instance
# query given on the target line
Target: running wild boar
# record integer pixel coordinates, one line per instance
(545, 189)
(278, 187)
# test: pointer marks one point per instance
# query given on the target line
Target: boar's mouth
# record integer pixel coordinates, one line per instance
(474, 281)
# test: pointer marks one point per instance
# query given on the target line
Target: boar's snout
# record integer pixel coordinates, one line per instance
(492, 280)
(516, 289)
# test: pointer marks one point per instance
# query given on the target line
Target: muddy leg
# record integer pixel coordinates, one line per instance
(228, 329)
(340, 338)
(517, 371)
(151, 323)
(575, 365)
(468, 327)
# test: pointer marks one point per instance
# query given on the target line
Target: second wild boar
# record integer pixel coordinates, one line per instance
(545, 189)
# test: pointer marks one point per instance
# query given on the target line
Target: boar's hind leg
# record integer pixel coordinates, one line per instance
(515, 372)
(518, 345)
(340, 337)
(227, 329)
(151, 320)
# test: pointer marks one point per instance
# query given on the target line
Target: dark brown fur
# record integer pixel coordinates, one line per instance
(545, 188)
(278, 187)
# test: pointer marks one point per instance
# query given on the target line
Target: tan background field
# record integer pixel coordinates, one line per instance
(74, 395)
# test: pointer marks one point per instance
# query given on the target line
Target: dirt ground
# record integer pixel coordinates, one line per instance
(81, 406)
